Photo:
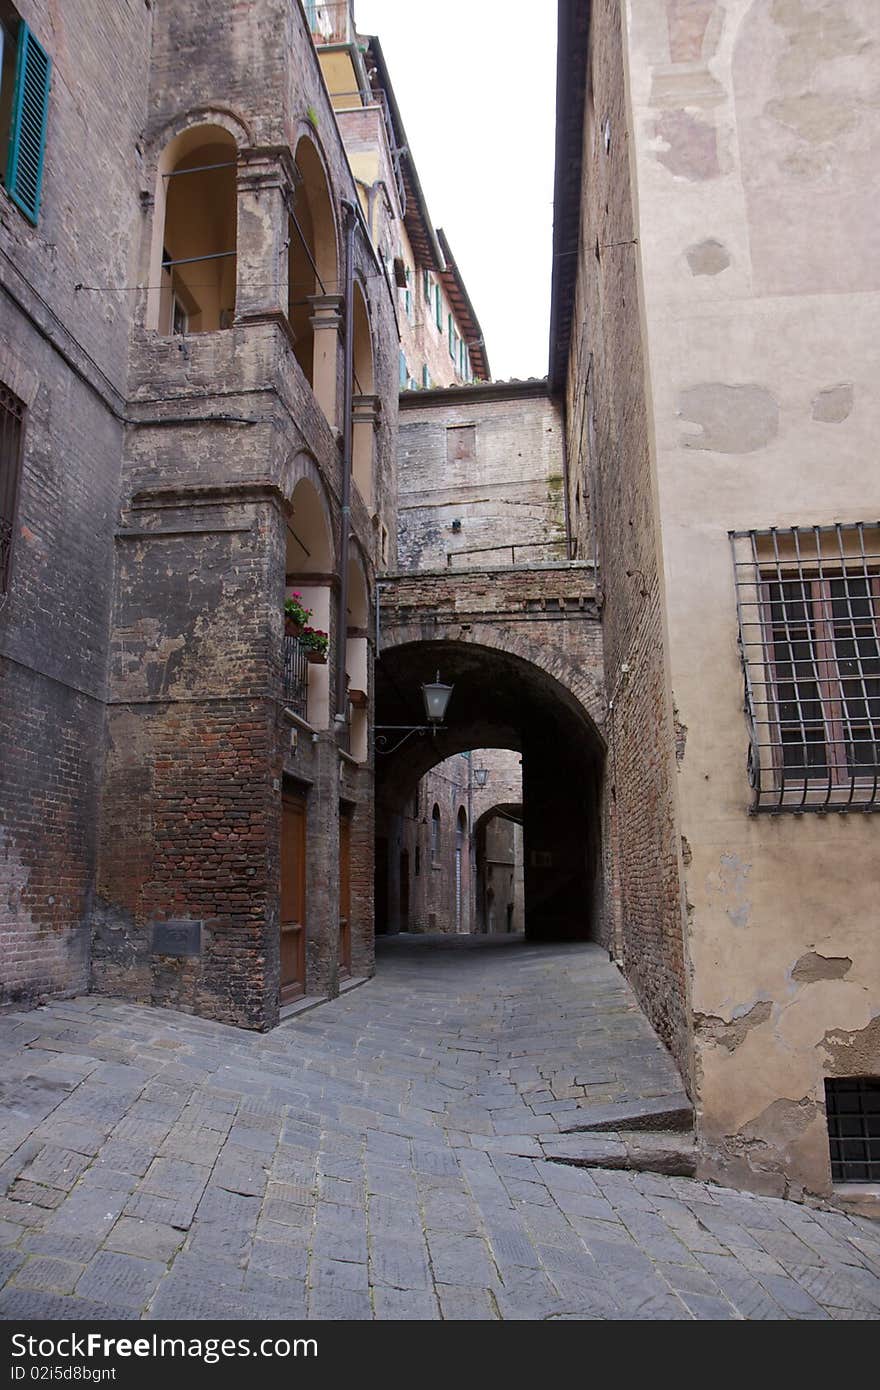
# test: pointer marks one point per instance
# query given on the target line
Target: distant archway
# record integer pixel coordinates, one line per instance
(501, 700)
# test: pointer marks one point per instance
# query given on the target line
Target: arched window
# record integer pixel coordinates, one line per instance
(312, 276)
(435, 834)
(197, 209)
(309, 562)
(365, 405)
(357, 659)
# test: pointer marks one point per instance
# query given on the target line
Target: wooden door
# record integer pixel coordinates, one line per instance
(344, 893)
(293, 899)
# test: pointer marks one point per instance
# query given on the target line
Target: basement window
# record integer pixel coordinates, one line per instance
(808, 602)
(852, 1105)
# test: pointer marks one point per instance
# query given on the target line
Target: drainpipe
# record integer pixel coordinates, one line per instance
(348, 390)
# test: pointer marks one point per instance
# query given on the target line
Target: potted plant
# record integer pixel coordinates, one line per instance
(316, 643)
(296, 615)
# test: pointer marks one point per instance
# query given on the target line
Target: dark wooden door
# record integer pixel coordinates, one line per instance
(293, 899)
(344, 893)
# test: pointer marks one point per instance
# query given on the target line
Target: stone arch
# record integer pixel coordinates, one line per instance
(314, 271)
(572, 682)
(192, 263)
(507, 700)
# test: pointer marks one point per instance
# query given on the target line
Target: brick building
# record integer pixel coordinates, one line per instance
(202, 418)
(199, 421)
(715, 282)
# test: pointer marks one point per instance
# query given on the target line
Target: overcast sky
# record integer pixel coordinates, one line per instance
(475, 81)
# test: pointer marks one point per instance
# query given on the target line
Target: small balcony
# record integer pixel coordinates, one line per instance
(296, 677)
(332, 22)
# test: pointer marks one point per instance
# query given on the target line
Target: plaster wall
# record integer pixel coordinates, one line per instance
(752, 131)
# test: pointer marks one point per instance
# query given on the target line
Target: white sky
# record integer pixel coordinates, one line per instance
(475, 81)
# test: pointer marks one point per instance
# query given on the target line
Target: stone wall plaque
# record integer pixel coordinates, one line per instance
(182, 937)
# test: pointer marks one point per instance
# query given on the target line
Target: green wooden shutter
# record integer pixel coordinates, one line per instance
(27, 139)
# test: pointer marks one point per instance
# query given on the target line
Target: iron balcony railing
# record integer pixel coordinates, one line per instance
(296, 676)
(557, 549)
(332, 22)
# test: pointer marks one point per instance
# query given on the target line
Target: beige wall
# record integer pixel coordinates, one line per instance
(751, 130)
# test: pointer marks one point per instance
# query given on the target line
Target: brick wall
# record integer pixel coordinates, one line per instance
(606, 407)
(63, 350)
(490, 459)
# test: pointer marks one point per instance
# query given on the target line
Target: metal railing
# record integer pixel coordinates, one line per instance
(808, 604)
(556, 547)
(296, 677)
(332, 22)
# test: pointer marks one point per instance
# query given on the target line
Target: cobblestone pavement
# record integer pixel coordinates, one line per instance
(372, 1159)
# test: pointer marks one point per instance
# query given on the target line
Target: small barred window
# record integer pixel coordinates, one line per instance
(808, 601)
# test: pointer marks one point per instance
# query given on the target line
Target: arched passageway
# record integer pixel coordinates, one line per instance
(499, 700)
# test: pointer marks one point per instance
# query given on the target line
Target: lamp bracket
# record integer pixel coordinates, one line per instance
(382, 732)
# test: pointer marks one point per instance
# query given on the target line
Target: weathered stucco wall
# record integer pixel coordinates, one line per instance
(753, 126)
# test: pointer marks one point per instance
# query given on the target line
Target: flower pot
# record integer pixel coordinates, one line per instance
(315, 657)
(358, 698)
(292, 628)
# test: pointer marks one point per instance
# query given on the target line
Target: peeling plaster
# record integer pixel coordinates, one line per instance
(732, 1035)
(691, 146)
(812, 967)
(708, 257)
(834, 404)
(732, 419)
(856, 1053)
(729, 885)
(781, 1123)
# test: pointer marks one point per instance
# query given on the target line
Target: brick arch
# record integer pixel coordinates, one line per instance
(562, 671)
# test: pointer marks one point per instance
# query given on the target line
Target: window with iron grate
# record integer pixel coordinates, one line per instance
(11, 441)
(852, 1105)
(809, 616)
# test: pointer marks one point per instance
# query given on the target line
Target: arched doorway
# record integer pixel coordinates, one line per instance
(461, 828)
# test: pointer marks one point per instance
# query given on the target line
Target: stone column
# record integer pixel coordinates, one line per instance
(365, 425)
(261, 280)
(326, 321)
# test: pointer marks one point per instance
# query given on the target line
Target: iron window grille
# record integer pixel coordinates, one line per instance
(11, 439)
(808, 603)
(852, 1106)
(296, 676)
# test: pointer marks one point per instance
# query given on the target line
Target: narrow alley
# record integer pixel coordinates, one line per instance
(383, 1156)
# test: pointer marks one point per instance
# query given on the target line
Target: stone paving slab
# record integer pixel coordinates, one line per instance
(383, 1157)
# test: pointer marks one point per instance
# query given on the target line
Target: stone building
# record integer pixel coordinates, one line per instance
(455, 849)
(656, 603)
(712, 336)
(199, 420)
